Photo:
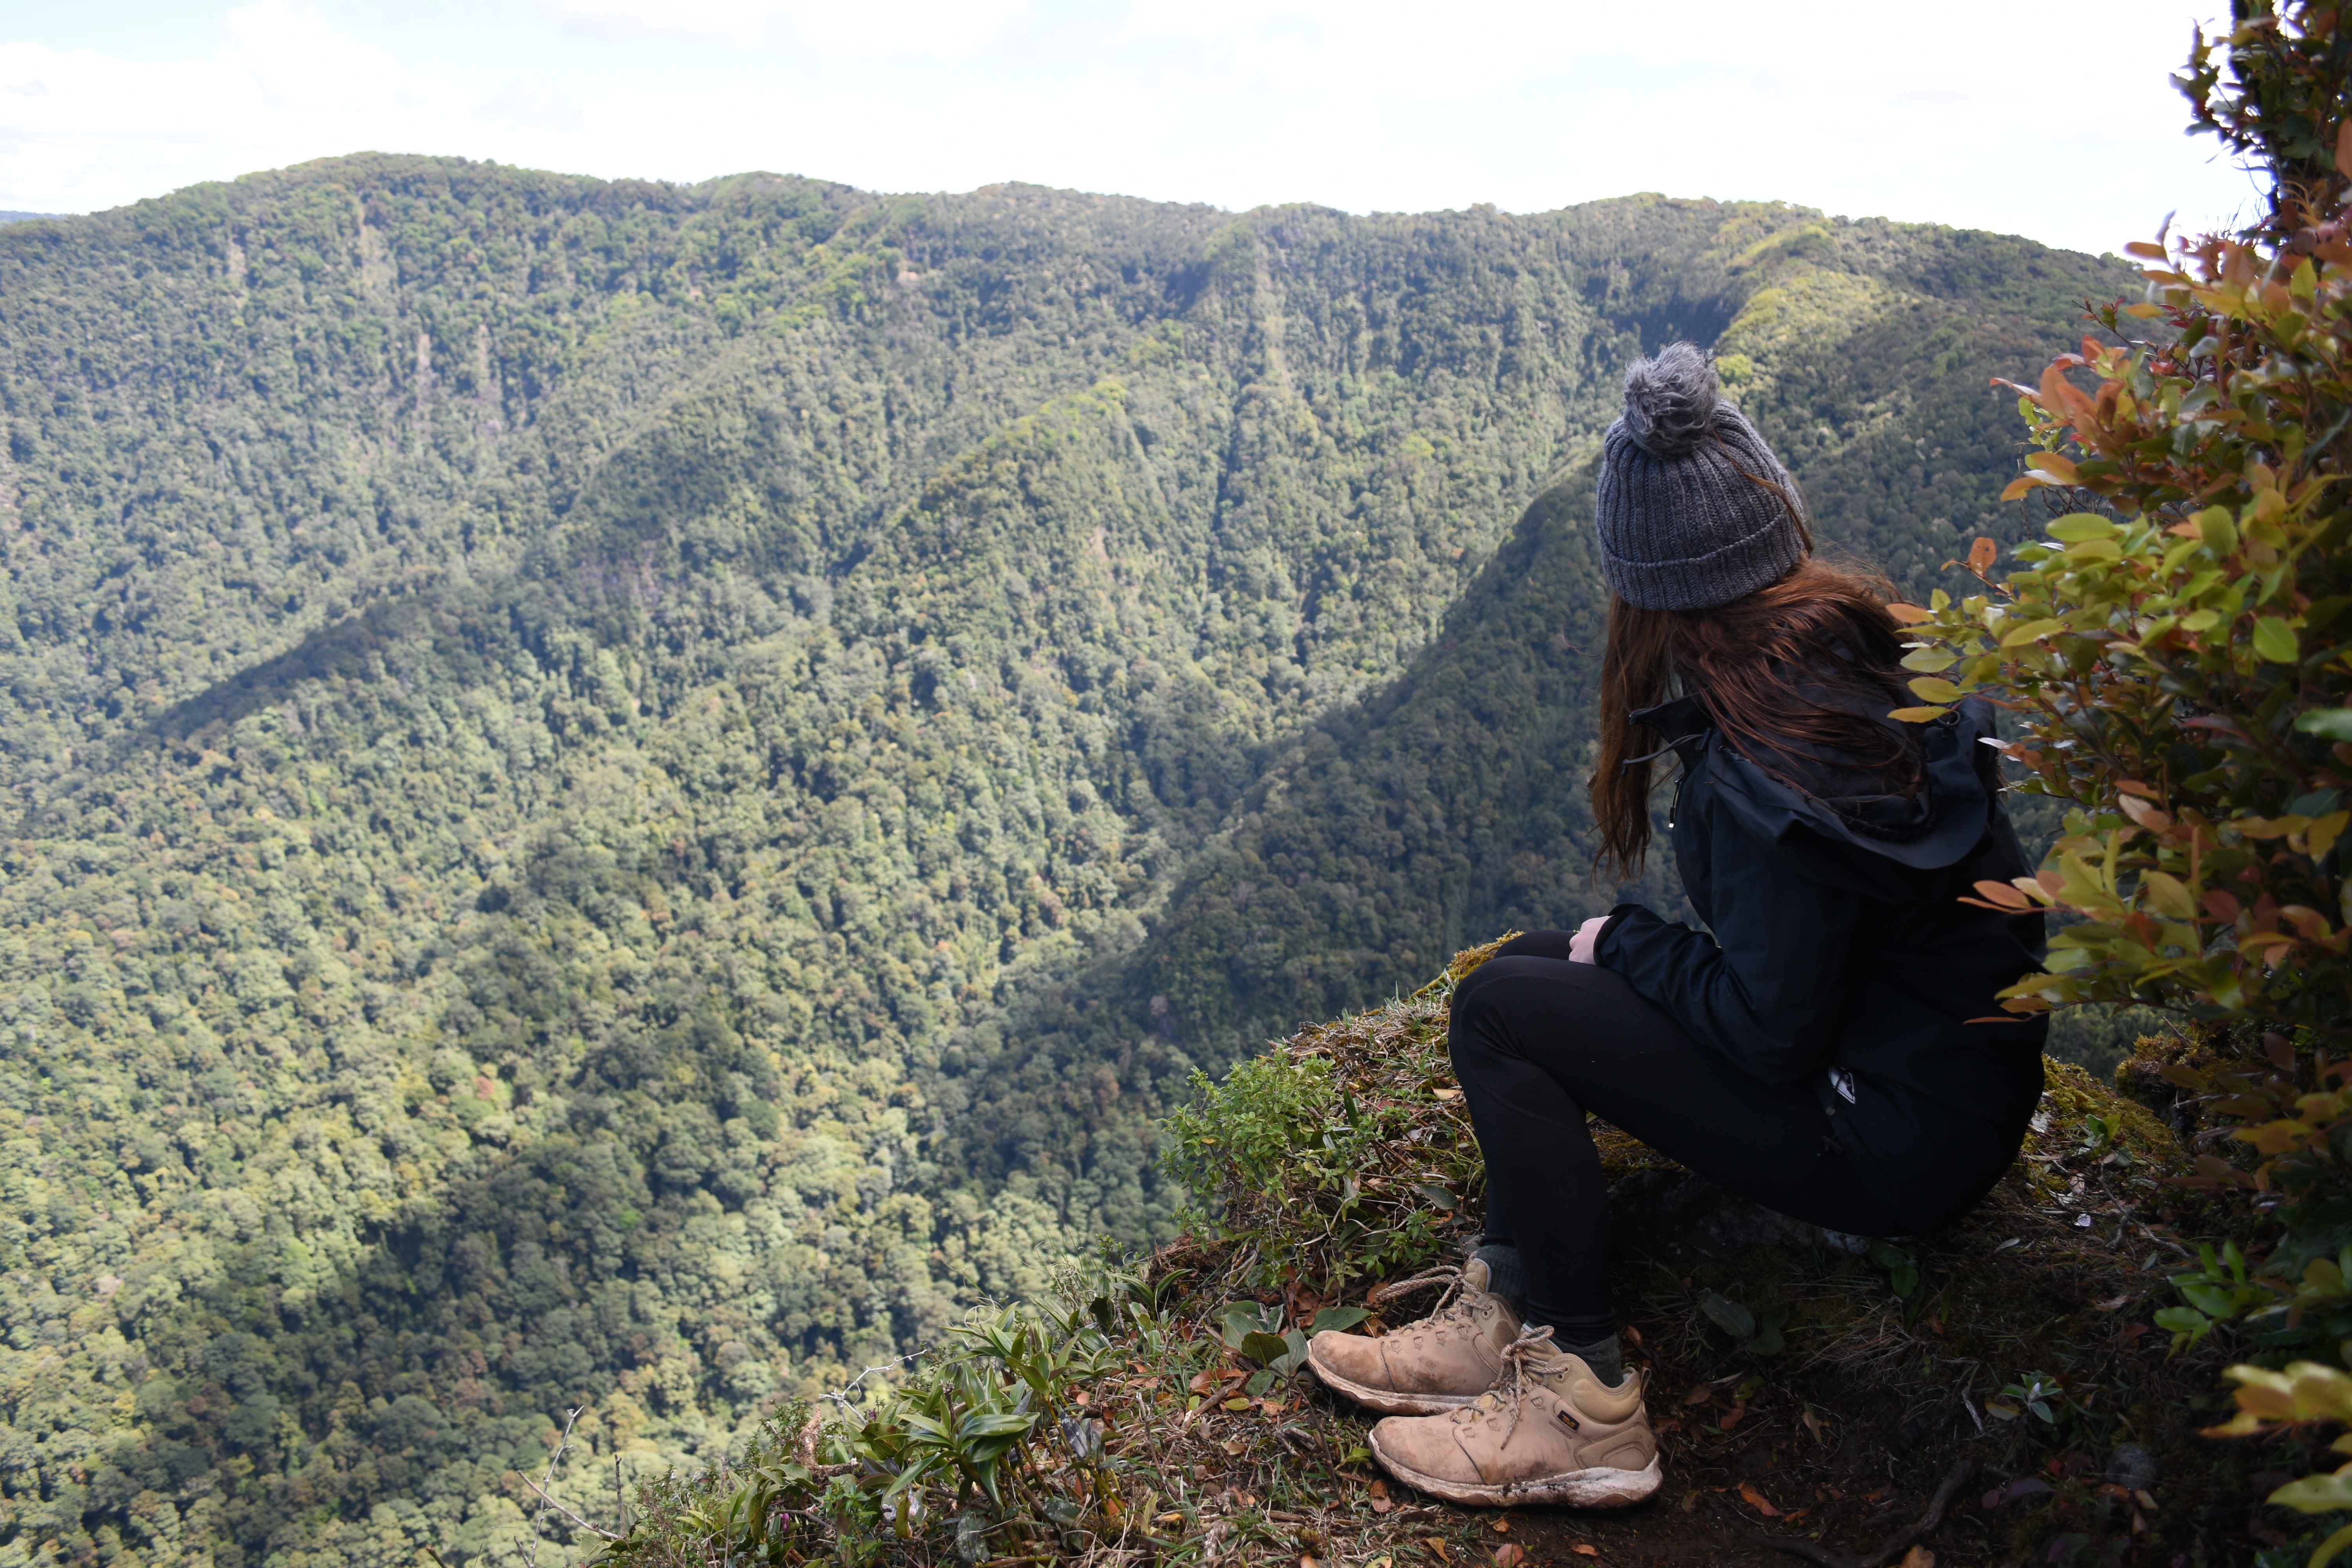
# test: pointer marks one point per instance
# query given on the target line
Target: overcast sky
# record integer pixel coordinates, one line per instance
(2048, 118)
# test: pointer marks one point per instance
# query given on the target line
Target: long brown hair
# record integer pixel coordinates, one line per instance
(1760, 666)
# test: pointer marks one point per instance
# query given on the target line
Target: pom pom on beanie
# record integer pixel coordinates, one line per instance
(1670, 401)
(1694, 510)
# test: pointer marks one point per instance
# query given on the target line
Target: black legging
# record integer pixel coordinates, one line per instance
(1537, 1041)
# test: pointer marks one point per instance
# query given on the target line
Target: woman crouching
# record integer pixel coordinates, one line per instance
(1824, 1052)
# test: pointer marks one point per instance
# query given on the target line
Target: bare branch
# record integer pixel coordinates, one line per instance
(530, 1558)
(840, 1395)
(557, 1506)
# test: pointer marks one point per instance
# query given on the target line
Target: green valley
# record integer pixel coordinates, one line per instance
(628, 796)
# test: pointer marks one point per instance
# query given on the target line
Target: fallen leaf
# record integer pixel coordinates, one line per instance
(1732, 1418)
(2145, 1500)
(1237, 1405)
(2023, 1487)
(1500, 1526)
(1756, 1500)
(1168, 1519)
(1235, 1447)
(1583, 1550)
(1918, 1557)
(1438, 1546)
(1700, 1395)
(2117, 1305)
(1273, 1408)
(1381, 1505)
(1310, 1562)
(1814, 1426)
(1509, 1554)
(1446, 1093)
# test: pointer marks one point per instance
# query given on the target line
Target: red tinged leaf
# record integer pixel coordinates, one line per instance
(1755, 1499)
(2058, 395)
(1982, 555)
(2344, 149)
(1907, 615)
(2221, 906)
(2309, 924)
(2059, 469)
(2005, 895)
(2218, 1169)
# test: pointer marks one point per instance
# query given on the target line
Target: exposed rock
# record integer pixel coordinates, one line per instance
(2132, 1467)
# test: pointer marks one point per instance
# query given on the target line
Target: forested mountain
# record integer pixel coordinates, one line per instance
(622, 795)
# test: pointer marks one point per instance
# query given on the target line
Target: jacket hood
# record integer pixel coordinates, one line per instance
(1838, 826)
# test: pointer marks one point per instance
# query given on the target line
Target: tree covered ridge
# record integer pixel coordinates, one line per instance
(629, 794)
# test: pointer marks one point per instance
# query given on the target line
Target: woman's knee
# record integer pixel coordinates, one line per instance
(1486, 1002)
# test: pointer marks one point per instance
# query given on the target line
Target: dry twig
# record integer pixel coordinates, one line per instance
(1897, 1544)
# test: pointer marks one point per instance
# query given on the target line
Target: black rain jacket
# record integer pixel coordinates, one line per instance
(1841, 957)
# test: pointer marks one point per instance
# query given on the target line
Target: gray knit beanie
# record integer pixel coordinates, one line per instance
(1696, 510)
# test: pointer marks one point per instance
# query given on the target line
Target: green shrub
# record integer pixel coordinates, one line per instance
(2175, 656)
(1343, 1152)
(986, 1450)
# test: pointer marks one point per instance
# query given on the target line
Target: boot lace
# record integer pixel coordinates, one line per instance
(1452, 1278)
(1530, 1341)
(1448, 1309)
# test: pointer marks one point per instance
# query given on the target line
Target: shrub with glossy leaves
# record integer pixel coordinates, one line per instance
(2177, 656)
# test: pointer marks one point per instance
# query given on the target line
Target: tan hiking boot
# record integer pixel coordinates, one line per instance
(1442, 1362)
(1550, 1432)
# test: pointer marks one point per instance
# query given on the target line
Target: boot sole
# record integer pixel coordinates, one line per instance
(1388, 1401)
(1604, 1486)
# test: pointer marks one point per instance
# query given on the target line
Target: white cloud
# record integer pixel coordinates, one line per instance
(948, 27)
(1910, 112)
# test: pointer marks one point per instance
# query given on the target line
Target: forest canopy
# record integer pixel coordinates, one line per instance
(625, 795)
